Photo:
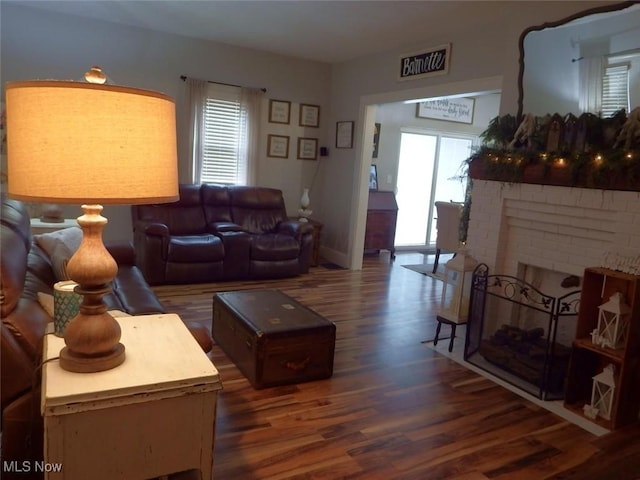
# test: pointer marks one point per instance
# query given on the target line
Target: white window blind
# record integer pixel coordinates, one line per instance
(615, 89)
(222, 138)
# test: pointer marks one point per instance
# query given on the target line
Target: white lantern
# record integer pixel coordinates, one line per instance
(603, 390)
(456, 291)
(613, 322)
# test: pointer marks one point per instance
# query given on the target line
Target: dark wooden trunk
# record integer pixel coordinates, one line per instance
(273, 339)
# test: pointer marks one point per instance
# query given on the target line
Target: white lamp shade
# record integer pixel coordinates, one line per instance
(76, 142)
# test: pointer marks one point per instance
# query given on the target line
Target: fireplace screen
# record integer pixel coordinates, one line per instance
(512, 330)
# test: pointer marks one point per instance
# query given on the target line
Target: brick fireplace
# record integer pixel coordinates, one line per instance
(559, 229)
(544, 237)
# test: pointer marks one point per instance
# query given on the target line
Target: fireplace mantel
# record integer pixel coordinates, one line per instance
(620, 172)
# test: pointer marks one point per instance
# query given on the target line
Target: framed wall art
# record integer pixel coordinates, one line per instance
(450, 109)
(307, 148)
(344, 134)
(309, 115)
(279, 111)
(278, 146)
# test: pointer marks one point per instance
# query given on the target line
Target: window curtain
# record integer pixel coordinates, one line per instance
(250, 115)
(196, 98)
(590, 85)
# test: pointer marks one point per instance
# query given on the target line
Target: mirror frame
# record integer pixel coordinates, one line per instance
(614, 7)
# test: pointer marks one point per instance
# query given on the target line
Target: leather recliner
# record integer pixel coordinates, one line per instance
(173, 243)
(225, 233)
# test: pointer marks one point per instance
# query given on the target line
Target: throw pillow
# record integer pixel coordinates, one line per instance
(60, 247)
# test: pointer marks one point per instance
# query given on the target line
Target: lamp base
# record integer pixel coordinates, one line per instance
(79, 363)
(92, 337)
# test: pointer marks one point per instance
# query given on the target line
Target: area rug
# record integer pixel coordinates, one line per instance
(554, 406)
(427, 269)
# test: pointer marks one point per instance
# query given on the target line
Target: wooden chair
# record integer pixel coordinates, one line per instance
(448, 227)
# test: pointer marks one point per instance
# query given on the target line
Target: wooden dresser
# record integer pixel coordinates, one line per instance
(382, 214)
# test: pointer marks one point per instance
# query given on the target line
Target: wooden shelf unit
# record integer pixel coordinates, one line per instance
(588, 359)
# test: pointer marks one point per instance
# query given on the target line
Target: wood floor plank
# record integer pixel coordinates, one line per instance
(394, 408)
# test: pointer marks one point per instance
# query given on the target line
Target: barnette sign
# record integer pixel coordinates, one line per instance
(434, 61)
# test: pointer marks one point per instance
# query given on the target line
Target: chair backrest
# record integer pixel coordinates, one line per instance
(216, 203)
(257, 209)
(448, 225)
(184, 217)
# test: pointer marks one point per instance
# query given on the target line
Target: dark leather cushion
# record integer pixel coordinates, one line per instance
(215, 202)
(184, 217)
(195, 249)
(273, 247)
(257, 209)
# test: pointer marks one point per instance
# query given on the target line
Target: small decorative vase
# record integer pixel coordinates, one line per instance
(304, 211)
(304, 200)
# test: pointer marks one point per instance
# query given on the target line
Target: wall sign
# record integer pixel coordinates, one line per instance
(434, 61)
(452, 109)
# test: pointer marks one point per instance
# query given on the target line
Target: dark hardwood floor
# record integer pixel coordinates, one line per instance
(394, 408)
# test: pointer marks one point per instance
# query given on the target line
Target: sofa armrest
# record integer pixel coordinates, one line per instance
(152, 228)
(122, 252)
(221, 227)
(294, 228)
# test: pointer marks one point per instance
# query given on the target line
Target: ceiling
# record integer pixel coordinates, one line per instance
(320, 30)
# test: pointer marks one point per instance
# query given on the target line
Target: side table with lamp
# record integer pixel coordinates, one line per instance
(117, 145)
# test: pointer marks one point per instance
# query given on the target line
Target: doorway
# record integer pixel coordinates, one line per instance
(428, 171)
(367, 118)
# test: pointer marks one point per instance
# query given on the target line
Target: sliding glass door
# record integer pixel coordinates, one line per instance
(428, 171)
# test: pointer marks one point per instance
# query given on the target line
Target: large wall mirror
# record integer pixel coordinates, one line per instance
(562, 63)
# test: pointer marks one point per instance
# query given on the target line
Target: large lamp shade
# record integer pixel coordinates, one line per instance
(76, 142)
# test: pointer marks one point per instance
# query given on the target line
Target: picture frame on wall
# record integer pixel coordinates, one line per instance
(307, 148)
(309, 115)
(278, 146)
(279, 111)
(344, 134)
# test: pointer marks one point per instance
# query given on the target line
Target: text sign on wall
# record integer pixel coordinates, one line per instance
(434, 61)
(451, 109)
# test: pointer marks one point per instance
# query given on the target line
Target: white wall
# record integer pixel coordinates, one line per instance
(43, 44)
(40, 44)
(478, 53)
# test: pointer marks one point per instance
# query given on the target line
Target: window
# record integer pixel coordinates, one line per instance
(224, 126)
(615, 89)
(221, 137)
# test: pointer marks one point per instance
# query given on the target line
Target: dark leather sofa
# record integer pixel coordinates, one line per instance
(26, 270)
(219, 232)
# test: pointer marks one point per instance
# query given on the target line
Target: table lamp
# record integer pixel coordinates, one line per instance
(90, 143)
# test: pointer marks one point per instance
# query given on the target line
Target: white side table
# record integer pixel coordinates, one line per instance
(38, 226)
(151, 416)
